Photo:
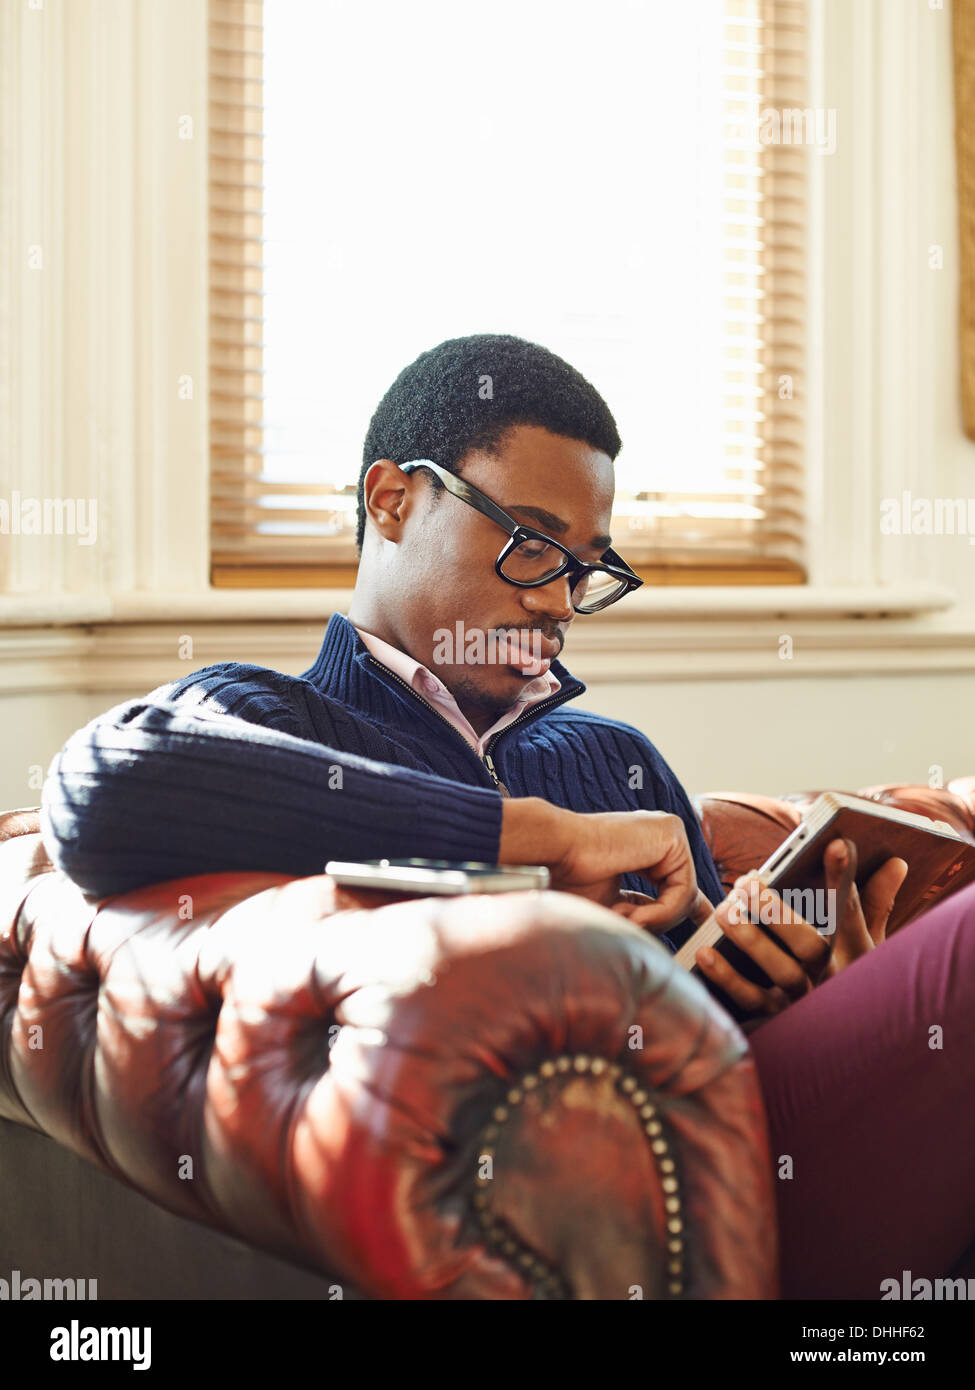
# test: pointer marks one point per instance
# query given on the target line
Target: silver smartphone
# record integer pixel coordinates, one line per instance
(431, 876)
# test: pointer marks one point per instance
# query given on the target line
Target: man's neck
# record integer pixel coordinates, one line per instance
(365, 613)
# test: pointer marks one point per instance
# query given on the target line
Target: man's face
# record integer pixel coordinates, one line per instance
(444, 567)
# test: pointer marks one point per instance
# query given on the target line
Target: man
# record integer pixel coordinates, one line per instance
(485, 504)
(394, 743)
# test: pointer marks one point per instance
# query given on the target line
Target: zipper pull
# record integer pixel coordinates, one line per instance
(489, 764)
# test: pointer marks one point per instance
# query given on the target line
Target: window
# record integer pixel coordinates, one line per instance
(624, 184)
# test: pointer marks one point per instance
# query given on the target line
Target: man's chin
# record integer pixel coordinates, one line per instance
(497, 690)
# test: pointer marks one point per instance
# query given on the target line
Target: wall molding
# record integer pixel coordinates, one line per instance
(133, 658)
(647, 604)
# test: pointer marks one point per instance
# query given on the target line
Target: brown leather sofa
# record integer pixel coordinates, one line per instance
(252, 1086)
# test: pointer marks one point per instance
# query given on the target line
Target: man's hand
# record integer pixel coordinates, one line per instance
(861, 919)
(588, 854)
(859, 924)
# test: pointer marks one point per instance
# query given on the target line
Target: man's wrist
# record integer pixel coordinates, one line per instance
(533, 831)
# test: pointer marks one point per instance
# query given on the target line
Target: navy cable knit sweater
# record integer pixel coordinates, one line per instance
(241, 767)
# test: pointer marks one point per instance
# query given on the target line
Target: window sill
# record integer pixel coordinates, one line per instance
(710, 603)
(132, 643)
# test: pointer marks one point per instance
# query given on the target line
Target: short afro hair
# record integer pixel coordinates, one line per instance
(466, 393)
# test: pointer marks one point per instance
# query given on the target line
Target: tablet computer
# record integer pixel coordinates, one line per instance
(939, 862)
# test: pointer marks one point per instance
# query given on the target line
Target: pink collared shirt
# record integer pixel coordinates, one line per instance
(436, 694)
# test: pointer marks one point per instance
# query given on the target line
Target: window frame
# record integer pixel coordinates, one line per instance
(332, 561)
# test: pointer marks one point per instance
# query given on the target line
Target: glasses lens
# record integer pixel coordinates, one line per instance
(596, 589)
(532, 561)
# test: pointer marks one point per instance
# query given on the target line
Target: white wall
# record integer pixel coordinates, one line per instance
(842, 733)
(32, 729)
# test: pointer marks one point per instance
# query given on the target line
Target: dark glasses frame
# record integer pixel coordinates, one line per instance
(615, 565)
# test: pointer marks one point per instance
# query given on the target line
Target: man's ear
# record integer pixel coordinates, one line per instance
(387, 494)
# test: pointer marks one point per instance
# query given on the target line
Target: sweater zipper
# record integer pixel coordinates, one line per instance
(557, 699)
(489, 764)
(485, 762)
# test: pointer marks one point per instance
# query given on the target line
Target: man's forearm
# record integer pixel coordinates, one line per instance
(151, 791)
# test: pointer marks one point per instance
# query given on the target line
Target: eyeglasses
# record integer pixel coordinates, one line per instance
(531, 559)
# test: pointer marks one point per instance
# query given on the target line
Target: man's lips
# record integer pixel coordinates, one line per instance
(532, 652)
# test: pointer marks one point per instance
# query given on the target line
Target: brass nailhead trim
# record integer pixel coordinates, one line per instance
(659, 1147)
(547, 1282)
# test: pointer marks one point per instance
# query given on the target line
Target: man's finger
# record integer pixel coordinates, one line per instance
(781, 968)
(878, 896)
(662, 913)
(631, 902)
(765, 907)
(840, 864)
(676, 897)
(747, 995)
(701, 910)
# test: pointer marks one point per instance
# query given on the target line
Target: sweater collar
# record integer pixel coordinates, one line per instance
(345, 670)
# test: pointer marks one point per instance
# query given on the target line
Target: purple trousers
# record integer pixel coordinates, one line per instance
(869, 1086)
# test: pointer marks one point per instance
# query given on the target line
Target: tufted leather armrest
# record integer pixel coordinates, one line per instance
(437, 1098)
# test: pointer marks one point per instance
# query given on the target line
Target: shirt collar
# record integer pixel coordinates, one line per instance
(431, 689)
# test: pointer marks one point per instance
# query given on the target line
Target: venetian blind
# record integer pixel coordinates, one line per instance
(707, 385)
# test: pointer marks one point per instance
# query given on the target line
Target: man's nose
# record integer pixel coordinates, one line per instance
(553, 599)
